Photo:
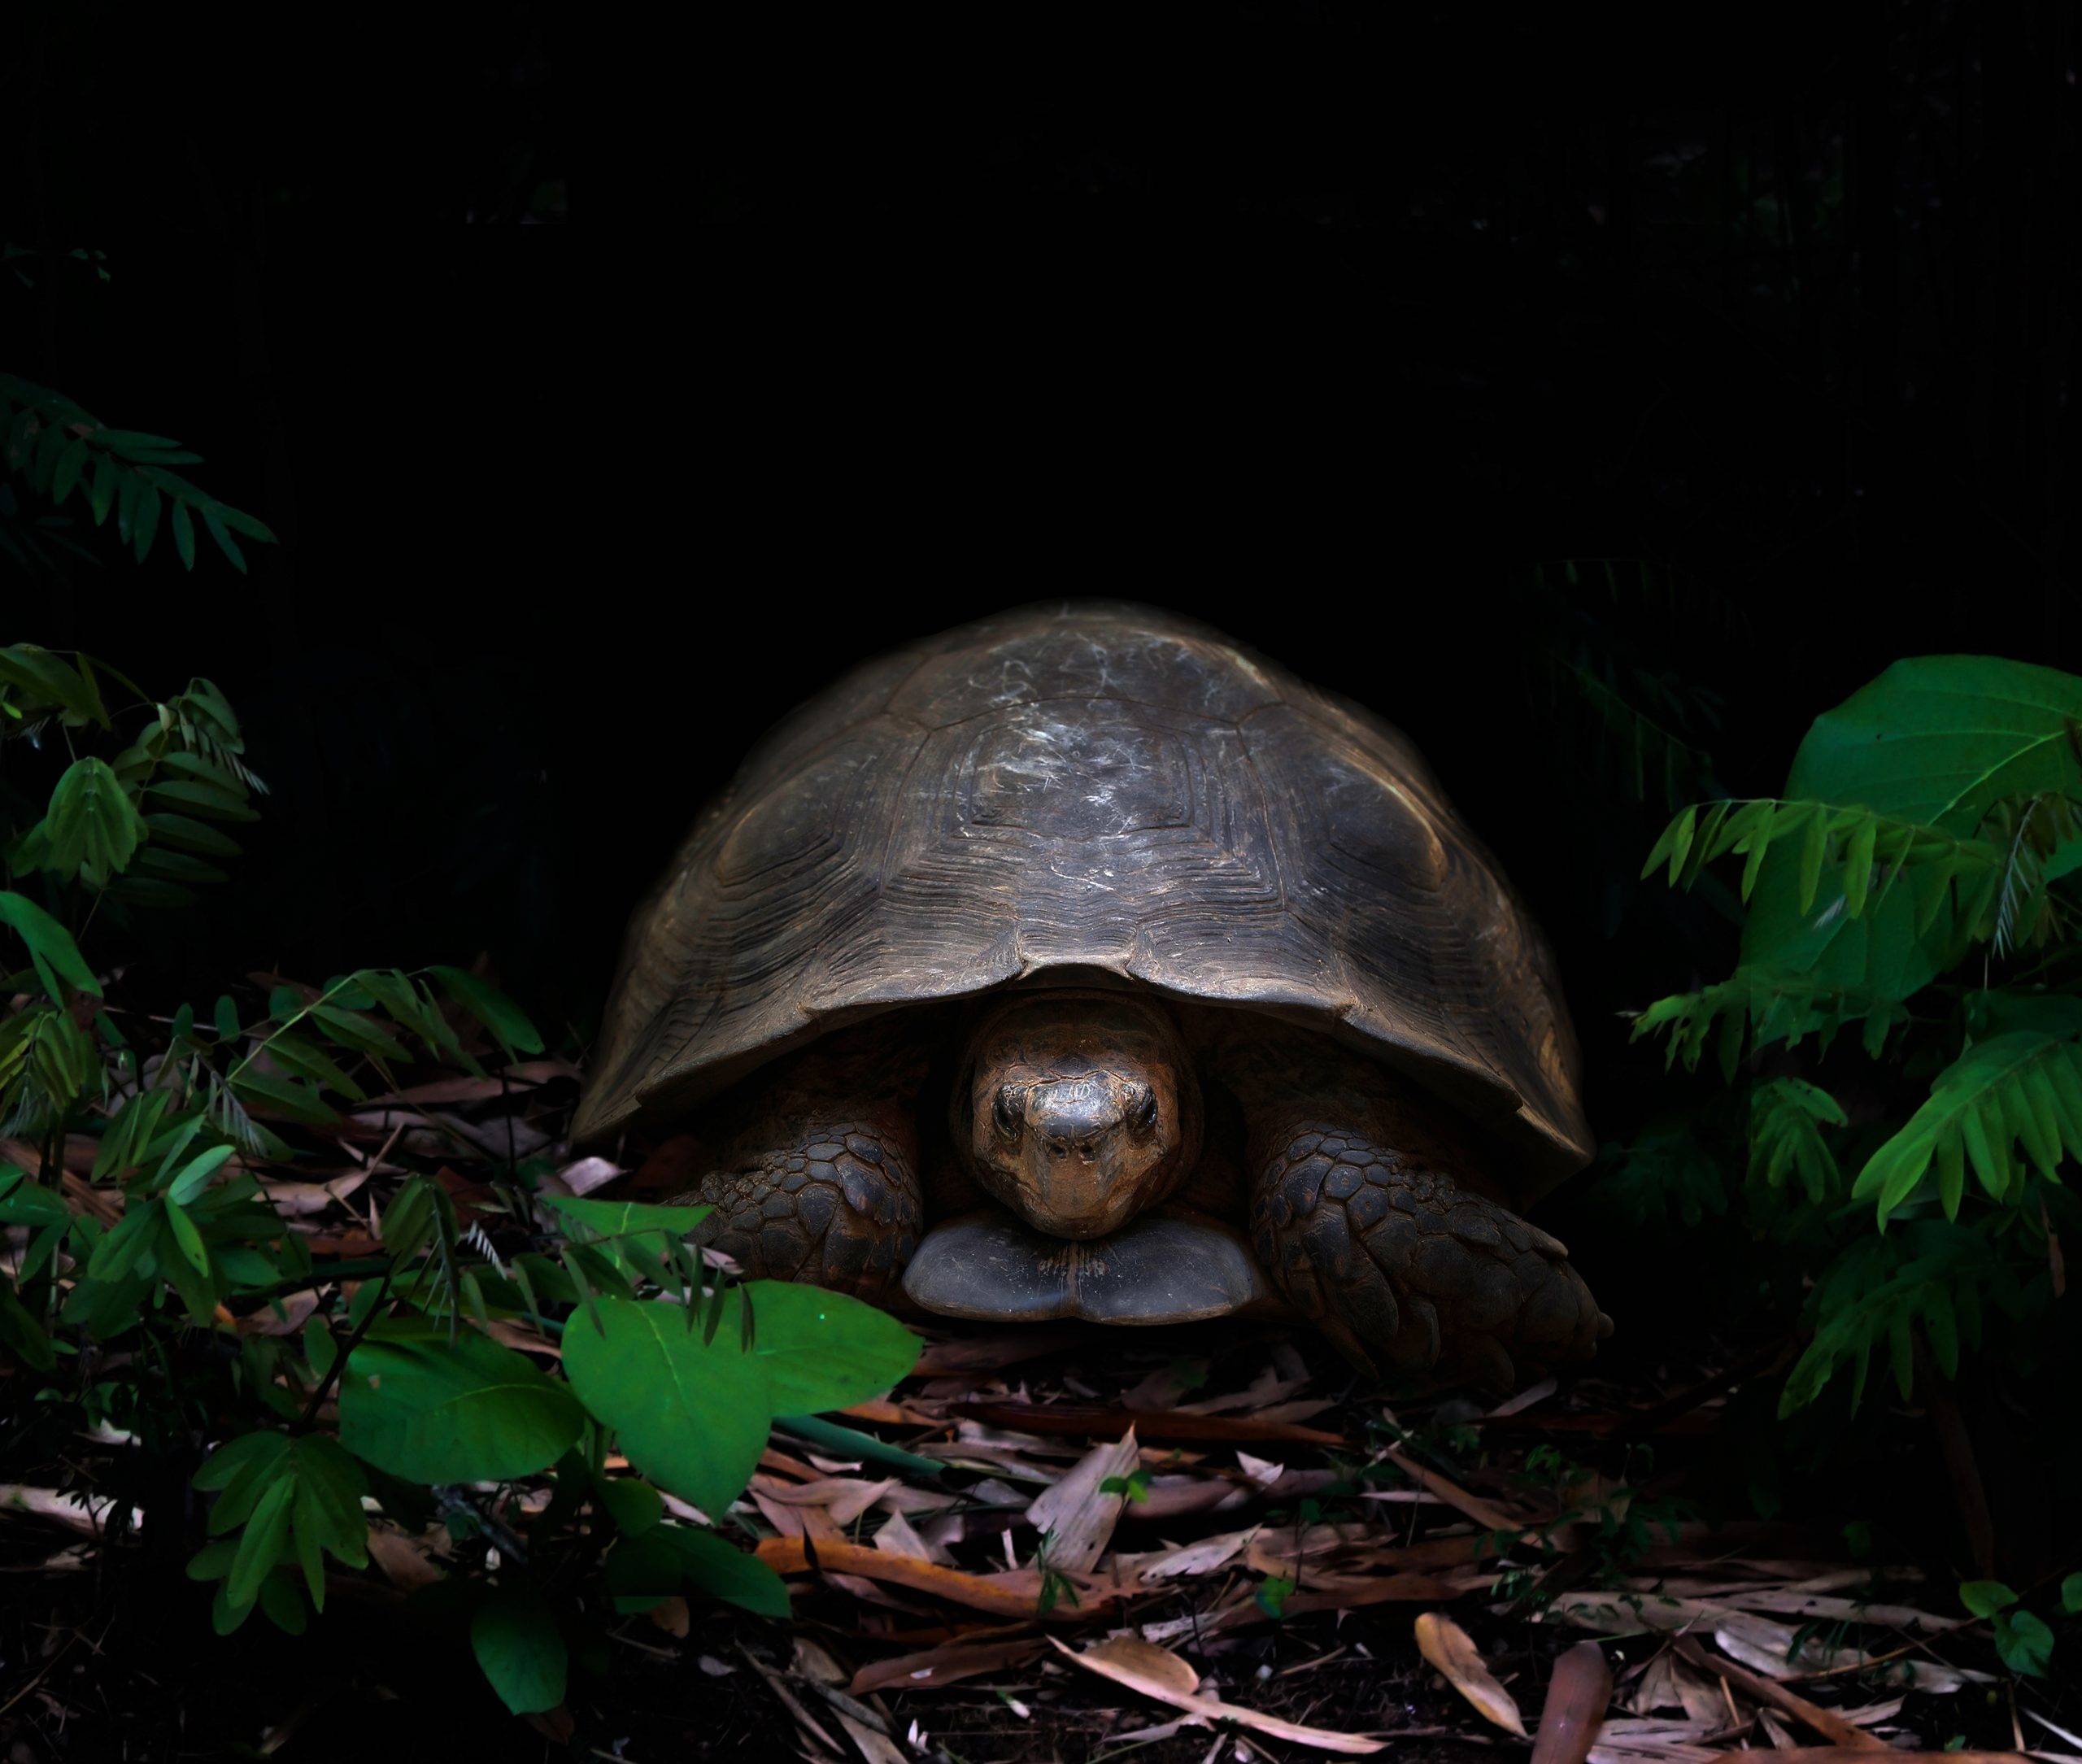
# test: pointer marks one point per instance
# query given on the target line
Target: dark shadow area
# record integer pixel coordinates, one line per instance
(1598, 403)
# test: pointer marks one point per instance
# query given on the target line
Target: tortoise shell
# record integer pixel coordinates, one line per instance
(1090, 793)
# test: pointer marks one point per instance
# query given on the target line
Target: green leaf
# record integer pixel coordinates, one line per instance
(1984, 1598)
(490, 1007)
(1938, 739)
(51, 947)
(190, 835)
(187, 1239)
(2070, 1594)
(430, 1410)
(203, 799)
(514, 1637)
(691, 1415)
(260, 1547)
(821, 1350)
(634, 1506)
(194, 1175)
(644, 1570)
(2024, 1643)
(1977, 1106)
(623, 1218)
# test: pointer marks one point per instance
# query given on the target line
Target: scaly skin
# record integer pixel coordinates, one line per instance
(817, 1178)
(1359, 1213)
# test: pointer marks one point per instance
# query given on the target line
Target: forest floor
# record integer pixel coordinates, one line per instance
(1065, 1542)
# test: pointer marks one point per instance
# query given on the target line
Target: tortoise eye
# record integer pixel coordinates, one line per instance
(1008, 1112)
(1142, 1109)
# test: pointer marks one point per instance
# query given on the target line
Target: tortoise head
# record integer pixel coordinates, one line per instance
(1079, 1109)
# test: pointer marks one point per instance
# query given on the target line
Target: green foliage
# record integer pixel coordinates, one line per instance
(692, 1401)
(54, 446)
(420, 1376)
(429, 1404)
(514, 1637)
(2023, 1641)
(1914, 882)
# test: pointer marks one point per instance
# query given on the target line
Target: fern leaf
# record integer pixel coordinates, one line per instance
(2024, 1087)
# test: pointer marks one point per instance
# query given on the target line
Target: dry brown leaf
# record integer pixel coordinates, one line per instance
(1452, 1651)
(1825, 1722)
(83, 1513)
(1004, 1595)
(1577, 1695)
(406, 1562)
(1085, 1422)
(1201, 1558)
(299, 1199)
(1157, 1674)
(1078, 1516)
(947, 1664)
(1484, 1514)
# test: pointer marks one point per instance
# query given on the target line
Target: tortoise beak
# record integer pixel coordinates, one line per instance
(1080, 1164)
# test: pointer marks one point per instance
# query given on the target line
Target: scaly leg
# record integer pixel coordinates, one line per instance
(816, 1177)
(1363, 1212)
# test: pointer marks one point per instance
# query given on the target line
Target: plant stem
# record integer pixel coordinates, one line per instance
(1960, 1465)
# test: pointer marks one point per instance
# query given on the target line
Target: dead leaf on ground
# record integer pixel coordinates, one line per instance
(1158, 1674)
(1452, 1651)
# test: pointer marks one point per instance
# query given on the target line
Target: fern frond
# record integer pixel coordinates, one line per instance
(58, 447)
(1933, 1277)
(1755, 1007)
(1857, 847)
(1787, 1115)
(2019, 1090)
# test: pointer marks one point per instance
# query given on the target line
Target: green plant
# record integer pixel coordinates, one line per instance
(2024, 1641)
(1913, 891)
(151, 1289)
(57, 447)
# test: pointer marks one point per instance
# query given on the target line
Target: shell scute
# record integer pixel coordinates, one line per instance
(1103, 788)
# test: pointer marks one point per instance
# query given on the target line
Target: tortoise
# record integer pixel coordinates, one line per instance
(1079, 962)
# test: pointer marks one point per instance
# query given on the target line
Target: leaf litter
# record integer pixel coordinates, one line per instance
(1060, 1541)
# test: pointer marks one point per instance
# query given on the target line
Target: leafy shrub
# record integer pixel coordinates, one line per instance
(1911, 892)
(122, 1290)
(58, 448)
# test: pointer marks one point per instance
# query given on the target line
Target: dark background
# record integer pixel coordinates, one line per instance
(1328, 323)
(1338, 325)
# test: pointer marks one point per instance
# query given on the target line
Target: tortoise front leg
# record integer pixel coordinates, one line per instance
(817, 1178)
(1362, 1214)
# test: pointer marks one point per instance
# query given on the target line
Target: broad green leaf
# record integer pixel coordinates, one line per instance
(1984, 1598)
(514, 1637)
(1937, 738)
(691, 1415)
(619, 1218)
(634, 1506)
(2023, 1642)
(820, 1350)
(430, 1410)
